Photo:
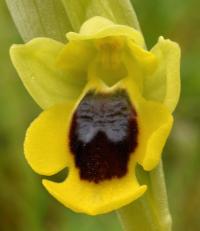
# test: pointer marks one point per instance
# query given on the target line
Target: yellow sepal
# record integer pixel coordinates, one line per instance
(99, 27)
(36, 64)
(164, 84)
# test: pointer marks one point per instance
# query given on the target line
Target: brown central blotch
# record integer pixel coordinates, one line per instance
(103, 134)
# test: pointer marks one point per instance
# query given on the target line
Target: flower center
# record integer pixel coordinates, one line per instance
(103, 135)
(110, 65)
(110, 51)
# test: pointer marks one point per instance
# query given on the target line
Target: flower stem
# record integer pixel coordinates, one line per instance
(150, 212)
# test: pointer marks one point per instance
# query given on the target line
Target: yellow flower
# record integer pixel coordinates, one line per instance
(108, 104)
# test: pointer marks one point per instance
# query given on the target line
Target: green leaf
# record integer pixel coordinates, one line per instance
(36, 18)
(119, 11)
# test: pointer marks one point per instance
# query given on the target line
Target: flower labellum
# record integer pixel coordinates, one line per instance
(103, 134)
(108, 106)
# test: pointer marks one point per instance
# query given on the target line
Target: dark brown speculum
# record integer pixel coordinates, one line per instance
(103, 135)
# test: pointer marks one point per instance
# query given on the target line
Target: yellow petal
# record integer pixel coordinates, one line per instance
(93, 199)
(76, 56)
(36, 64)
(139, 63)
(46, 142)
(154, 121)
(145, 60)
(154, 124)
(99, 27)
(164, 85)
(82, 195)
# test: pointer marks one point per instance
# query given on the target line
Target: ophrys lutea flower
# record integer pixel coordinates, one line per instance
(108, 104)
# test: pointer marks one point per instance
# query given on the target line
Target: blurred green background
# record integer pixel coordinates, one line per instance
(25, 205)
